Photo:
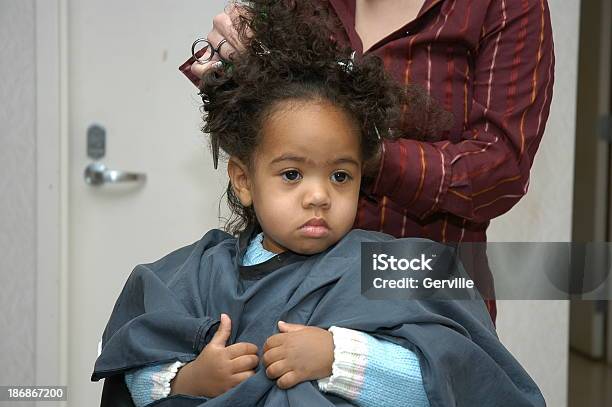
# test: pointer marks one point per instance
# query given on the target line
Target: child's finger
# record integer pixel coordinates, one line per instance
(273, 342)
(288, 380)
(287, 327)
(240, 349)
(238, 378)
(273, 355)
(244, 363)
(277, 369)
(223, 332)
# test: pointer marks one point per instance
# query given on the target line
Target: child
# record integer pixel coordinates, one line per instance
(299, 121)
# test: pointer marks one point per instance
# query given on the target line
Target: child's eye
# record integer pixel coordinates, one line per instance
(291, 175)
(341, 177)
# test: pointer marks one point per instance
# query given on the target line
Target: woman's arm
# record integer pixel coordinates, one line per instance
(487, 172)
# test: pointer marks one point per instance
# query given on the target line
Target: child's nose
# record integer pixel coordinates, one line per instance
(317, 196)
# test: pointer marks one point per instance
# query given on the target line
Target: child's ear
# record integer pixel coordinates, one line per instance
(241, 183)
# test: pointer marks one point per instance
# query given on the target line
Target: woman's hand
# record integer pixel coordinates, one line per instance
(298, 354)
(223, 28)
(218, 368)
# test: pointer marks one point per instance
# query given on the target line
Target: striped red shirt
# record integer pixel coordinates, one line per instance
(490, 63)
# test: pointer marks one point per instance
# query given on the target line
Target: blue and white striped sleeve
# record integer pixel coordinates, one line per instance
(371, 372)
(151, 383)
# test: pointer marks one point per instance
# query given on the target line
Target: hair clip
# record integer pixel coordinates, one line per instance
(377, 132)
(263, 49)
(214, 144)
(349, 65)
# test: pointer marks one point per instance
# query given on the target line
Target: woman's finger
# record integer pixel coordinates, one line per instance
(227, 48)
(200, 70)
(224, 25)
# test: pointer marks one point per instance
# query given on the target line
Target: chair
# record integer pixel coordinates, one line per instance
(115, 393)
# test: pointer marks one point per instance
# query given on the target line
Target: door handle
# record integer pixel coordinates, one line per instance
(97, 174)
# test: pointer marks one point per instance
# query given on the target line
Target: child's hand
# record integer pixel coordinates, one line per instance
(297, 354)
(218, 368)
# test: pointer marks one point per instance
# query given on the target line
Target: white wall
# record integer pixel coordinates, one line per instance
(17, 192)
(536, 332)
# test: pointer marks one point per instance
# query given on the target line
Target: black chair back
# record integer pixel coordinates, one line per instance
(115, 393)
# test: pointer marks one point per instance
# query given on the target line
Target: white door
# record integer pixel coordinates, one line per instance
(123, 75)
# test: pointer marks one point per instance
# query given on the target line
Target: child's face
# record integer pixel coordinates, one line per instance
(307, 167)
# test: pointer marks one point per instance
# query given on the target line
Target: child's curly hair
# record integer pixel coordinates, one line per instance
(291, 55)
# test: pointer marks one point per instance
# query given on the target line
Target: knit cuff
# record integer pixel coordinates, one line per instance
(161, 380)
(151, 383)
(348, 369)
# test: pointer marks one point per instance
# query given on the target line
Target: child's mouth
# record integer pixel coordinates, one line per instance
(314, 231)
(315, 227)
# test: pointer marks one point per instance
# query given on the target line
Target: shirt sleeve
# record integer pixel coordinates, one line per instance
(151, 383)
(371, 372)
(487, 172)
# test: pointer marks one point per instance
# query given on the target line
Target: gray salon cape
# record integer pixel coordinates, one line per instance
(169, 310)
